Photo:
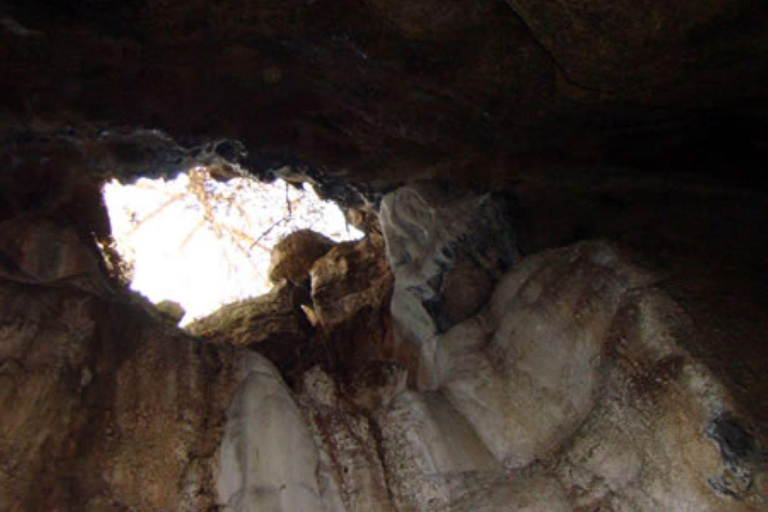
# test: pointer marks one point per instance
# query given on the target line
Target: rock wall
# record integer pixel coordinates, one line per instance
(394, 92)
(568, 391)
(105, 407)
(104, 404)
(447, 251)
(459, 376)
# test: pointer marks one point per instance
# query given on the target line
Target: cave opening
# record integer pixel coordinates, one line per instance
(203, 242)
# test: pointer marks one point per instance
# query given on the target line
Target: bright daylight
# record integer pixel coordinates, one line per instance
(204, 243)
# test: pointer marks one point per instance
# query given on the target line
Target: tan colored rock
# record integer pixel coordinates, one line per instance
(38, 251)
(272, 324)
(575, 362)
(274, 317)
(294, 255)
(268, 459)
(568, 392)
(447, 247)
(365, 220)
(103, 406)
(347, 444)
(349, 278)
(351, 292)
(173, 311)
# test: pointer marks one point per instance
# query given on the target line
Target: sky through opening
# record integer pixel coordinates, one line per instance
(205, 243)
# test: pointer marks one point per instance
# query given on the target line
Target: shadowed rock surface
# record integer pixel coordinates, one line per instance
(393, 91)
(294, 255)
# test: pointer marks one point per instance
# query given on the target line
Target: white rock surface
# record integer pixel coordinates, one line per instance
(268, 459)
(568, 392)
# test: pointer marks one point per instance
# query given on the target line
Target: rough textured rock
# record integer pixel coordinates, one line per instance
(534, 356)
(170, 310)
(268, 459)
(570, 388)
(687, 232)
(351, 291)
(390, 90)
(569, 391)
(103, 406)
(576, 362)
(273, 318)
(294, 255)
(347, 445)
(272, 324)
(351, 277)
(568, 380)
(446, 250)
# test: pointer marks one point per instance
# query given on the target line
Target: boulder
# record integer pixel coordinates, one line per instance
(294, 255)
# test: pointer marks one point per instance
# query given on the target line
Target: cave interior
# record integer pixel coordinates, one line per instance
(559, 302)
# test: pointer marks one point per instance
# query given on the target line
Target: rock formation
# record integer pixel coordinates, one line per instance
(292, 258)
(559, 304)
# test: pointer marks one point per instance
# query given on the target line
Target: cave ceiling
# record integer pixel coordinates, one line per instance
(383, 90)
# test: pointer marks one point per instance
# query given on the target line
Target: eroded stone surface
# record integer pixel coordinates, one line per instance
(272, 324)
(533, 357)
(351, 290)
(569, 383)
(393, 91)
(446, 250)
(104, 406)
(294, 255)
(268, 459)
(349, 278)
(347, 443)
(569, 391)
(272, 318)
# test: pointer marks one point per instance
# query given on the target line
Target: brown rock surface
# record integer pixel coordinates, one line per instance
(103, 406)
(464, 88)
(570, 391)
(351, 277)
(294, 255)
(568, 381)
(273, 324)
(351, 293)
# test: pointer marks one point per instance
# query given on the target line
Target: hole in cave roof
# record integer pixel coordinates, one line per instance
(204, 243)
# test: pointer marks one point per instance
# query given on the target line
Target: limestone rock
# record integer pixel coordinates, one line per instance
(431, 452)
(38, 251)
(270, 318)
(351, 290)
(447, 249)
(568, 391)
(268, 459)
(170, 310)
(574, 362)
(366, 220)
(294, 255)
(103, 405)
(568, 381)
(273, 324)
(347, 443)
(392, 91)
(375, 384)
(350, 277)
(653, 442)
(536, 352)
